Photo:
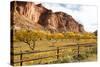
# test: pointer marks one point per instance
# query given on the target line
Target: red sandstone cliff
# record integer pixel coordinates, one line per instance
(35, 16)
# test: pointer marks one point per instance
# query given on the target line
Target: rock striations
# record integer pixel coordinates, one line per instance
(36, 16)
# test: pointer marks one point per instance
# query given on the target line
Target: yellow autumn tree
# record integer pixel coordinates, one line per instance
(27, 36)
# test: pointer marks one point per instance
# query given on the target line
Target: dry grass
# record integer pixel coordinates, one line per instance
(67, 54)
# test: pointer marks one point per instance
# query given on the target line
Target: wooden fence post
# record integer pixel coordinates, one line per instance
(12, 59)
(57, 53)
(21, 57)
(78, 52)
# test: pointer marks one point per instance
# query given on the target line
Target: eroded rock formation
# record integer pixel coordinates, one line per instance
(33, 16)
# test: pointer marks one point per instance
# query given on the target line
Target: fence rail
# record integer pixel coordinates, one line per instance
(57, 53)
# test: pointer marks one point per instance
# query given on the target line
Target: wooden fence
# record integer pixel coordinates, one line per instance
(57, 53)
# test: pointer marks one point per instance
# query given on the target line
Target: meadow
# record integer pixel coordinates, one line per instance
(42, 43)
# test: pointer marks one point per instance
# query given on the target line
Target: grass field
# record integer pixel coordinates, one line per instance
(67, 54)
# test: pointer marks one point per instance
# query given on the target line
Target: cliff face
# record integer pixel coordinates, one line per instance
(60, 22)
(31, 15)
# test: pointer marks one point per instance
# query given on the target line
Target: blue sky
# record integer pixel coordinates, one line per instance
(85, 14)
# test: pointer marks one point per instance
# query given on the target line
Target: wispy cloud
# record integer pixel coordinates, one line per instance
(63, 5)
(73, 7)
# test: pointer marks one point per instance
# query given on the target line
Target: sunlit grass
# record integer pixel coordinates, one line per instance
(67, 55)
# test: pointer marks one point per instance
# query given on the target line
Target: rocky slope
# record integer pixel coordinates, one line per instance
(35, 16)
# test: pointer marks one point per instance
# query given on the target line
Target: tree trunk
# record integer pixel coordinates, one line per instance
(33, 46)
